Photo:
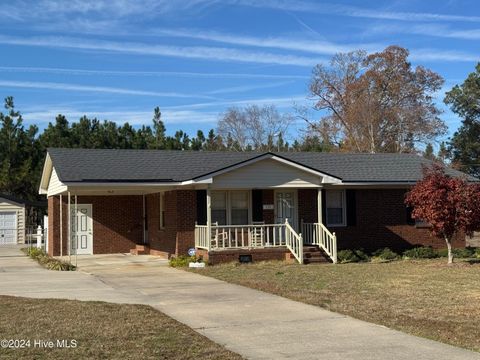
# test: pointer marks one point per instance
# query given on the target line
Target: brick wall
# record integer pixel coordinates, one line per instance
(307, 205)
(54, 241)
(117, 223)
(180, 215)
(218, 257)
(186, 217)
(162, 240)
(382, 222)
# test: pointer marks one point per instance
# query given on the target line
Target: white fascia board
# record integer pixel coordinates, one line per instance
(325, 178)
(373, 184)
(46, 174)
(117, 184)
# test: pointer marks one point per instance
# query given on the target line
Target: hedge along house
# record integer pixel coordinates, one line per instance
(229, 205)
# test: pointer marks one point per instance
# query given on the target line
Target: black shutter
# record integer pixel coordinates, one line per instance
(257, 206)
(201, 207)
(324, 207)
(410, 220)
(351, 207)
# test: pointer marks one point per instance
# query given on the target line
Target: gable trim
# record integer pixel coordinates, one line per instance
(326, 178)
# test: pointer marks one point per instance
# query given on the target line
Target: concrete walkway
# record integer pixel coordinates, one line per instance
(252, 323)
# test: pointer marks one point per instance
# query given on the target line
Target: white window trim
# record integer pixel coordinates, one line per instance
(161, 220)
(229, 204)
(344, 209)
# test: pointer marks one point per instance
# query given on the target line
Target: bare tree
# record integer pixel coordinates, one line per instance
(254, 127)
(377, 102)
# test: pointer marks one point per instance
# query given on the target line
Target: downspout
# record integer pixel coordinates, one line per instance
(144, 220)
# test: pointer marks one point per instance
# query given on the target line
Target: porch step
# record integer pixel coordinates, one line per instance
(140, 250)
(312, 254)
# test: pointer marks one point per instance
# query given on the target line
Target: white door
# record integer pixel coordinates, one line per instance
(82, 229)
(285, 207)
(8, 228)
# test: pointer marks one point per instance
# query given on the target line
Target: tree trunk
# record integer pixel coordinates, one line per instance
(449, 247)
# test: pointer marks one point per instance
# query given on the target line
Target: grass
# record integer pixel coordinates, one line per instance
(102, 331)
(425, 297)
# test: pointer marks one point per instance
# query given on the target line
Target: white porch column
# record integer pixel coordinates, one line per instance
(209, 216)
(69, 241)
(319, 206)
(61, 225)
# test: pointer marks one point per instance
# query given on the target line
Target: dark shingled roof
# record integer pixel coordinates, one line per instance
(114, 165)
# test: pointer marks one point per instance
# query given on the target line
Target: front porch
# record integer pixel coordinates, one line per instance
(252, 237)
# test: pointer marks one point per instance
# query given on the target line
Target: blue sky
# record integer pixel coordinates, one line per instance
(118, 59)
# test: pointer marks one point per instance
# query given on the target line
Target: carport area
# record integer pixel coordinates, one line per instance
(116, 262)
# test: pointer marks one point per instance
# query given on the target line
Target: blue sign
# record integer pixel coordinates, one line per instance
(191, 251)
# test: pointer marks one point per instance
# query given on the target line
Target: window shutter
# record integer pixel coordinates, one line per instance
(351, 207)
(410, 220)
(201, 207)
(324, 207)
(257, 206)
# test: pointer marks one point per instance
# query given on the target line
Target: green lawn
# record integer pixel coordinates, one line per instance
(102, 331)
(426, 298)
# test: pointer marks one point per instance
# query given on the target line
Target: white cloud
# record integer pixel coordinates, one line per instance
(98, 89)
(298, 44)
(354, 11)
(434, 30)
(192, 52)
(131, 116)
(84, 72)
(440, 55)
(237, 89)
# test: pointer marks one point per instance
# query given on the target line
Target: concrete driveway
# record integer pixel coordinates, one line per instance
(250, 322)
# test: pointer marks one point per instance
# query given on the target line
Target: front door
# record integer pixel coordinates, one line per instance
(285, 207)
(82, 229)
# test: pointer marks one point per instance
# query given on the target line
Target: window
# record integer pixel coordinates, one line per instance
(239, 207)
(335, 206)
(219, 207)
(230, 207)
(162, 211)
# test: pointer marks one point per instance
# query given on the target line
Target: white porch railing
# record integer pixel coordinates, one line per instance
(318, 234)
(202, 240)
(294, 242)
(224, 237)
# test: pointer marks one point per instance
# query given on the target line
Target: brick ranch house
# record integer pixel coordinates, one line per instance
(230, 205)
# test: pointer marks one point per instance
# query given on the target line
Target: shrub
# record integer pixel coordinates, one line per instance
(385, 254)
(48, 262)
(183, 260)
(349, 256)
(422, 252)
(477, 253)
(459, 253)
(464, 253)
(362, 255)
(35, 253)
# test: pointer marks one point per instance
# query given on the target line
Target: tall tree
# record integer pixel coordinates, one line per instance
(376, 102)
(17, 153)
(464, 146)
(449, 205)
(428, 152)
(158, 129)
(254, 127)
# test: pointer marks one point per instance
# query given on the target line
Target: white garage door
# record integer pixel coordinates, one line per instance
(8, 228)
